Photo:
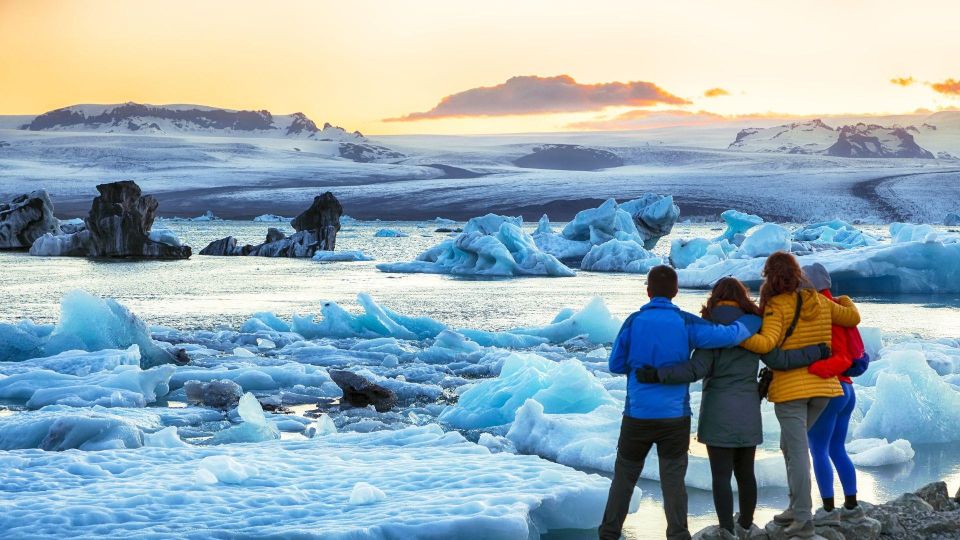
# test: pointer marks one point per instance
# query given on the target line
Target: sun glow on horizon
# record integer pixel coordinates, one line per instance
(356, 64)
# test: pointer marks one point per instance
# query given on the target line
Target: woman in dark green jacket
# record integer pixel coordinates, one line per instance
(730, 424)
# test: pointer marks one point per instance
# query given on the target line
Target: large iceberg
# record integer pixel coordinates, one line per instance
(620, 256)
(490, 245)
(764, 241)
(930, 264)
(437, 485)
(86, 323)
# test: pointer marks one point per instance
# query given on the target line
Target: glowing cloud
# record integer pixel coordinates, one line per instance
(645, 119)
(541, 95)
(949, 87)
(716, 92)
(903, 81)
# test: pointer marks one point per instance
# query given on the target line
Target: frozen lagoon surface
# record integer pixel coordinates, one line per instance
(203, 303)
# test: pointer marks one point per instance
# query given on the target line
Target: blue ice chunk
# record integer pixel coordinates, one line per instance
(738, 223)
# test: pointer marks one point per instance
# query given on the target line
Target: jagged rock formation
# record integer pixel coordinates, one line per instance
(569, 157)
(118, 226)
(863, 140)
(26, 218)
(814, 137)
(220, 394)
(316, 228)
(359, 392)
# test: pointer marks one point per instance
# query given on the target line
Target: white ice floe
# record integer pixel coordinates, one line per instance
(439, 486)
(377, 321)
(271, 218)
(619, 256)
(835, 233)
(738, 223)
(341, 256)
(77, 362)
(390, 233)
(879, 452)
(764, 241)
(253, 427)
(490, 245)
(124, 386)
(563, 387)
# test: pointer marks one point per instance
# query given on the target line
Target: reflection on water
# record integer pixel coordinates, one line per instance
(210, 292)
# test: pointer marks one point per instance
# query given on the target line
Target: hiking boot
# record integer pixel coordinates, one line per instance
(784, 518)
(800, 529)
(854, 514)
(717, 532)
(747, 534)
(827, 518)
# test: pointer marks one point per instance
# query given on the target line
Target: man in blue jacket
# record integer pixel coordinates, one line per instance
(658, 335)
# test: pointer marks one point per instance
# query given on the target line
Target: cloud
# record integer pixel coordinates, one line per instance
(716, 92)
(541, 95)
(644, 119)
(949, 87)
(903, 81)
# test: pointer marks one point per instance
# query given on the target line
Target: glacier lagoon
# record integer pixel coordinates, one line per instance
(211, 294)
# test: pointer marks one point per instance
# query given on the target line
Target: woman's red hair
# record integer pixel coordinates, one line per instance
(781, 274)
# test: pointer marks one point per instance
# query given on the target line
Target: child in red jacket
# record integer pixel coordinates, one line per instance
(829, 433)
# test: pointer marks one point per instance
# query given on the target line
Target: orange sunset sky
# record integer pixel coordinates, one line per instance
(583, 64)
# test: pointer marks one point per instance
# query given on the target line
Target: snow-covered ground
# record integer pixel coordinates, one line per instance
(242, 176)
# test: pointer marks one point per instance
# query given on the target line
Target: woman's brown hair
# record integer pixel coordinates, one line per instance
(730, 290)
(781, 274)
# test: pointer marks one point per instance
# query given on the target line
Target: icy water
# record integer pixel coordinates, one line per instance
(213, 292)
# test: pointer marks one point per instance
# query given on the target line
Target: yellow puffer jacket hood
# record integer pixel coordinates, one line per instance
(817, 315)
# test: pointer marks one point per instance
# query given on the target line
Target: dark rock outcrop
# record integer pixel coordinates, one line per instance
(366, 152)
(26, 218)
(873, 141)
(359, 392)
(927, 513)
(118, 226)
(316, 227)
(569, 157)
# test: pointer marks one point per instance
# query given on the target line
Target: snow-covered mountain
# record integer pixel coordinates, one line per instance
(859, 140)
(186, 119)
(811, 137)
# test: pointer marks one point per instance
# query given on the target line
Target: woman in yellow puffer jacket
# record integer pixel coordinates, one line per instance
(798, 396)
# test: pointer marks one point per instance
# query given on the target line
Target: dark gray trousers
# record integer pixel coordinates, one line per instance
(637, 437)
(796, 417)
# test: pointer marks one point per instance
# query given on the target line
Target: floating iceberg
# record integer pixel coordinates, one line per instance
(594, 322)
(59, 428)
(836, 233)
(654, 215)
(562, 387)
(928, 266)
(86, 323)
(273, 218)
(124, 386)
(377, 321)
(738, 223)
(341, 256)
(390, 233)
(879, 452)
(683, 253)
(490, 245)
(911, 402)
(619, 256)
(77, 362)
(164, 236)
(253, 426)
(764, 241)
(431, 478)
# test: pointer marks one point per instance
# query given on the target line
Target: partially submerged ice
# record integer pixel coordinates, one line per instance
(427, 476)
(836, 233)
(619, 256)
(918, 260)
(738, 223)
(124, 386)
(490, 245)
(58, 428)
(253, 427)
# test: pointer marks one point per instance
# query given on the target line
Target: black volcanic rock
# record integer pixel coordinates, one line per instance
(26, 218)
(316, 227)
(118, 226)
(359, 392)
(569, 157)
(864, 141)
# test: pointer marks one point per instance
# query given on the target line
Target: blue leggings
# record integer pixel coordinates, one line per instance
(827, 437)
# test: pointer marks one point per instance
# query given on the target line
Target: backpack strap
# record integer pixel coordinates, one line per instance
(796, 319)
